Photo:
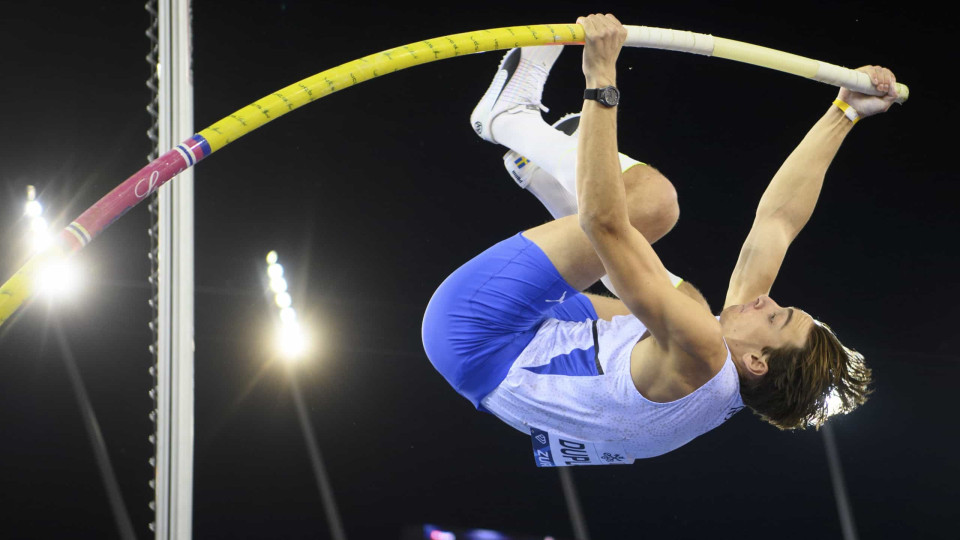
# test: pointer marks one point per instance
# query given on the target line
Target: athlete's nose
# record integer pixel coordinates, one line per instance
(763, 300)
(766, 301)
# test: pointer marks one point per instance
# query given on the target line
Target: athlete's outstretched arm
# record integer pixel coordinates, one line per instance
(635, 269)
(789, 200)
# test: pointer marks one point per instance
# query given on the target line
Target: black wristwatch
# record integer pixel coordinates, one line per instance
(608, 96)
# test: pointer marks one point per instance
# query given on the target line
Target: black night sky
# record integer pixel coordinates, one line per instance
(373, 195)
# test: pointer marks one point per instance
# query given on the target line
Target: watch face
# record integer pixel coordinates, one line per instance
(610, 96)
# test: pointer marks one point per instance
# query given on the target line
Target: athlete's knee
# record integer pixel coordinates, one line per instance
(652, 198)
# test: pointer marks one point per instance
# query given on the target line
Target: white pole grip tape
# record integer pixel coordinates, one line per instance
(705, 44)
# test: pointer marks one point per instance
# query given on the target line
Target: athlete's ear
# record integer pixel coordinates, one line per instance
(755, 363)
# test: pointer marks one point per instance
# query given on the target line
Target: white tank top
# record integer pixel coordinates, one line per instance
(578, 417)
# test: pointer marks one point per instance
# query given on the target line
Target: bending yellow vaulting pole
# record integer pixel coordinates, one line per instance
(134, 189)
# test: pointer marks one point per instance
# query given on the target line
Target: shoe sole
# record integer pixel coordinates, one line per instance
(569, 124)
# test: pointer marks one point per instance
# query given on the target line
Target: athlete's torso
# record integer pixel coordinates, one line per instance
(555, 386)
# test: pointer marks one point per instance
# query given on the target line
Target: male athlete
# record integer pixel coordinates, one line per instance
(597, 380)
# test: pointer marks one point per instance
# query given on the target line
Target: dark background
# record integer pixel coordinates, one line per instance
(375, 194)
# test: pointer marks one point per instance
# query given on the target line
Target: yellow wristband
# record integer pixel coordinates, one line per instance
(849, 111)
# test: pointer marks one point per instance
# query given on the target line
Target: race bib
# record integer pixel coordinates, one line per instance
(553, 451)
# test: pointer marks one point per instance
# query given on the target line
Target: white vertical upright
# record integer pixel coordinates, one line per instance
(174, 465)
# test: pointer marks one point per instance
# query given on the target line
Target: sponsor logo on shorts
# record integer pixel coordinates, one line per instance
(561, 299)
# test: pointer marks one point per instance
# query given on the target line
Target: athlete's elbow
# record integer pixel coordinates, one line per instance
(596, 221)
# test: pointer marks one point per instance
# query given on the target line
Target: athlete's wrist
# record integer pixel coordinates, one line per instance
(839, 119)
(848, 110)
(601, 79)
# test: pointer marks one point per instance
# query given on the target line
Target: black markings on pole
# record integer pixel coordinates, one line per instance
(409, 50)
(285, 100)
(353, 78)
(456, 50)
(266, 112)
(238, 119)
(476, 44)
(307, 90)
(436, 53)
(533, 33)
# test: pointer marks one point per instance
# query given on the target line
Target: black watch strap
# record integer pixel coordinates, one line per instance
(608, 96)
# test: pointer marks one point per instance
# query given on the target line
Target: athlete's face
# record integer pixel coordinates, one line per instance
(764, 323)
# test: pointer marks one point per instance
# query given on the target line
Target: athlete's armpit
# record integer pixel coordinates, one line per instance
(688, 289)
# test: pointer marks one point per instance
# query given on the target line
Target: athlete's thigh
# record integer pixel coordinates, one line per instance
(570, 251)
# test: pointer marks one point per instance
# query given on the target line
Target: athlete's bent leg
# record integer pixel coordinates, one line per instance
(652, 203)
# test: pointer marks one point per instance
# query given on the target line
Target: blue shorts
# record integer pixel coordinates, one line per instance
(482, 317)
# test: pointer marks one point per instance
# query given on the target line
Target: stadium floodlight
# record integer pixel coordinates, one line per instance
(283, 300)
(278, 285)
(60, 279)
(32, 209)
(38, 235)
(288, 316)
(40, 240)
(292, 341)
(38, 224)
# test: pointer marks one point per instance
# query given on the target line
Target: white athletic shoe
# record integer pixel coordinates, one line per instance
(517, 86)
(523, 170)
